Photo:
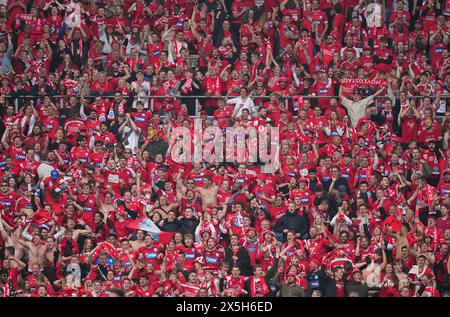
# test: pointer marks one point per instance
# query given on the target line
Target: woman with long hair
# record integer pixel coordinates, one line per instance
(389, 282)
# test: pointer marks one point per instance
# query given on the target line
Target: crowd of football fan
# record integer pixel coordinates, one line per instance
(93, 203)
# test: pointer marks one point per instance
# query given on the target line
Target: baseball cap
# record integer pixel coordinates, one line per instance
(291, 274)
(54, 174)
(356, 270)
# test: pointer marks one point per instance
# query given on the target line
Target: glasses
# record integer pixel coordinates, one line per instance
(190, 183)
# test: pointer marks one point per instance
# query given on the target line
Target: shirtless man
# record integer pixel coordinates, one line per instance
(51, 249)
(77, 232)
(107, 205)
(11, 236)
(208, 192)
(36, 251)
(400, 240)
(136, 244)
(181, 188)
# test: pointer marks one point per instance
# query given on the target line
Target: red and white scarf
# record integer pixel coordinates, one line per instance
(264, 288)
(79, 51)
(187, 87)
(213, 85)
(368, 82)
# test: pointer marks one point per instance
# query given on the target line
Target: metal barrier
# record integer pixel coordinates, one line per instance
(197, 98)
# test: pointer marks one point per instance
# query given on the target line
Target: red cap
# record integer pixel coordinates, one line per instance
(291, 274)
(261, 79)
(261, 176)
(333, 34)
(356, 270)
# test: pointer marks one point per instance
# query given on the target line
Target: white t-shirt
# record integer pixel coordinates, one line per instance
(133, 138)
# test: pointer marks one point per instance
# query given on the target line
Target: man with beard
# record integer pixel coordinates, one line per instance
(357, 284)
(290, 288)
(318, 242)
(251, 245)
(36, 137)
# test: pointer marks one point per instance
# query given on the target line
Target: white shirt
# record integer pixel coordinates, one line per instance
(248, 104)
(133, 138)
(356, 110)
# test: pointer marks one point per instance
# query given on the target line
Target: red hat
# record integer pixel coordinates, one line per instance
(333, 34)
(114, 42)
(389, 148)
(261, 176)
(283, 79)
(291, 274)
(356, 270)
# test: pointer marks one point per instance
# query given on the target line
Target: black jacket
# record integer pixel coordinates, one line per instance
(354, 287)
(243, 261)
(173, 226)
(267, 278)
(292, 221)
(188, 225)
(328, 288)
